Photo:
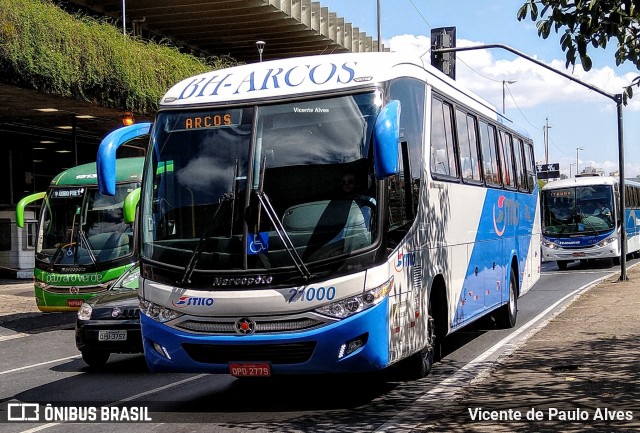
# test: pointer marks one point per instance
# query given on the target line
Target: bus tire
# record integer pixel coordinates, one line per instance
(438, 321)
(418, 365)
(508, 313)
(95, 358)
(562, 265)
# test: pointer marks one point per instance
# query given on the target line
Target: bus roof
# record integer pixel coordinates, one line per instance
(312, 74)
(127, 169)
(581, 181)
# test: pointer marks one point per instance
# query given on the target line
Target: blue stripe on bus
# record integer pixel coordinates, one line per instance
(504, 231)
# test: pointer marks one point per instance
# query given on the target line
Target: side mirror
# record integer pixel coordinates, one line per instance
(130, 204)
(106, 157)
(386, 136)
(23, 203)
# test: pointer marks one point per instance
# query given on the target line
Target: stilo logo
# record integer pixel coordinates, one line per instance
(186, 301)
(499, 219)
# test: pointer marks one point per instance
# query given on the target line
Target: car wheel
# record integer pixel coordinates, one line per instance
(95, 358)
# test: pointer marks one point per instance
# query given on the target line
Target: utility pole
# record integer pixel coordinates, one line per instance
(545, 129)
(378, 23)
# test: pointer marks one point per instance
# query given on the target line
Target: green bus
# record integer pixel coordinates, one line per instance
(84, 241)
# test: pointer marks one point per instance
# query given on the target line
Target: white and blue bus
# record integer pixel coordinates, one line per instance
(581, 219)
(329, 214)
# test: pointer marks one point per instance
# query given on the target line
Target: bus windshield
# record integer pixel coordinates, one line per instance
(80, 226)
(584, 210)
(261, 187)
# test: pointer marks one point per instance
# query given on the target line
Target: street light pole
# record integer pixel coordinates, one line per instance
(578, 149)
(260, 45)
(504, 83)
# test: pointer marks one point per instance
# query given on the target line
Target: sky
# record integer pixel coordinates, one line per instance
(574, 116)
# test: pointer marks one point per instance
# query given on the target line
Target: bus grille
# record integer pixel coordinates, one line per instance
(66, 290)
(290, 353)
(272, 326)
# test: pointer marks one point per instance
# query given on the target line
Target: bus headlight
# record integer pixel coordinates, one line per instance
(549, 244)
(355, 304)
(607, 241)
(157, 312)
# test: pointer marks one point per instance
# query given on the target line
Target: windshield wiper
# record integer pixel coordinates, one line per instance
(197, 252)
(265, 203)
(206, 235)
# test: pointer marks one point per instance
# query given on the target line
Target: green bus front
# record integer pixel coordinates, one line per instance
(84, 243)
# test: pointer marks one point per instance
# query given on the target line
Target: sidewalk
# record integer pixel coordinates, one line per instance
(580, 373)
(17, 296)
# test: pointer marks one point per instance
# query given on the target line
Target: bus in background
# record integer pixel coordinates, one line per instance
(581, 219)
(83, 243)
(330, 214)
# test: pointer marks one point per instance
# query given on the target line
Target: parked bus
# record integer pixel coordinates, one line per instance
(83, 243)
(581, 219)
(329, 214)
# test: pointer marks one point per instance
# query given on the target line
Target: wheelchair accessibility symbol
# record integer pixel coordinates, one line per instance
(258, 243)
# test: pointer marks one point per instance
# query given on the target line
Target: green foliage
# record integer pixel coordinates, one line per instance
(589, 23)
(44, 48)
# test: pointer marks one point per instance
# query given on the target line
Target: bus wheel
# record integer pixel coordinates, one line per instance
(95, 358)
(438, 323)
(418, 365)
(507, 314)
(562, 265)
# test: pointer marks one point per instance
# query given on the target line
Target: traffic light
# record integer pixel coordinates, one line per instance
(444, 37)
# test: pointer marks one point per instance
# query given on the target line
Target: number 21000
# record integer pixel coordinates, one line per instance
(312, 294)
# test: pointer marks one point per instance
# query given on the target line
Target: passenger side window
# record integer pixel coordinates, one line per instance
(468, 146)
(517, 159)
(506, 160)
(530, 166)
(489, 153)
(443, 160)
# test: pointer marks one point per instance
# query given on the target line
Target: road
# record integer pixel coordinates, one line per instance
(39, 363)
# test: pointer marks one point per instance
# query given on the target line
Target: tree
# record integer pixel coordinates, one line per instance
(590, 22)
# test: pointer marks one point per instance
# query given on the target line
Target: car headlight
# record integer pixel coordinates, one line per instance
(549, 244)
(84, 312)
(157, 312)
(607, 241)
(355, 304)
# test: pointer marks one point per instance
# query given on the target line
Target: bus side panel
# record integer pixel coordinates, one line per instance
(530, 273)
(632, 225)
(407, 302)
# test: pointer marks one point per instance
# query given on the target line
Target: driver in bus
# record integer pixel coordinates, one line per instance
(602, 210)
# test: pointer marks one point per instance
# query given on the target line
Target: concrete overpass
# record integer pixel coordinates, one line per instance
(38, 142)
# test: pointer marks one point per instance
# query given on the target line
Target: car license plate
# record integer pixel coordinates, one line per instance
(119, 335)
(260, 369)
(578, 254)
(74, 302)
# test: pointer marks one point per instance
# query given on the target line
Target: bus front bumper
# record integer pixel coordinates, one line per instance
(317, 351)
